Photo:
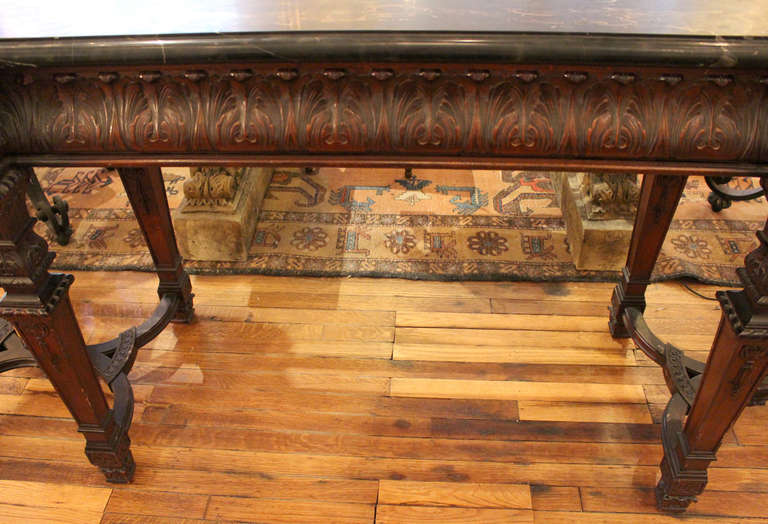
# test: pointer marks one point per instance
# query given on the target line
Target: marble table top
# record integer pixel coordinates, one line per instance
(56, 18)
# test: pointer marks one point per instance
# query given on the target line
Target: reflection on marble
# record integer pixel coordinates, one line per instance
(54, 18)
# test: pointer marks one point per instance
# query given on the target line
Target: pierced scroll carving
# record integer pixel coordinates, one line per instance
(24, 256)
(678, 373)
(122, 359)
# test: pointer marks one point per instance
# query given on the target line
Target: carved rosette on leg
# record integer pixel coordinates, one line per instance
(37, 304)
(212, 188)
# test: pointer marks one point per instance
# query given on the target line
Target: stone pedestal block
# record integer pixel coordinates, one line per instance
(599, 215)
(217, 218)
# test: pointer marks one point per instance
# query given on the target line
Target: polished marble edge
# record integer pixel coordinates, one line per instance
(510, 48)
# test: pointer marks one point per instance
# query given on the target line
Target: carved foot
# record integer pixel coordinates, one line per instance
(113, 458)
(616, 325)
(718, 203)
(619, 302)
(185, 312)
(678, 489)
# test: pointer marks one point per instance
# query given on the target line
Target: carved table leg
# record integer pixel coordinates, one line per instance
(37, 304)
(659, 195)
(737, 363)
(146, 191)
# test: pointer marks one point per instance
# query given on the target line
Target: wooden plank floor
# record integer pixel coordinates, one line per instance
(362, 400)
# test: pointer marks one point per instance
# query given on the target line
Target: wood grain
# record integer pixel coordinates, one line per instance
(358, 399)
(512, 390)
(463, 494)
(386, 514)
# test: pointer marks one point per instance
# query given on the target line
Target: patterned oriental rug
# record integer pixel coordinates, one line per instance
(460, 225)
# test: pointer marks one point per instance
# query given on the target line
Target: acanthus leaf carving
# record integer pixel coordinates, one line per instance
(712, 120)
(619, 117)
(429, 113)
(283, 110)
(523, 117)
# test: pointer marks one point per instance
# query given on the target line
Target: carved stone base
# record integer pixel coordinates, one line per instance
(596, 244)
(217, 218)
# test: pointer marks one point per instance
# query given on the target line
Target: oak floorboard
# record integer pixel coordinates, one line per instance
(603, 371)
(127, 518)
(464, 494)
(157, 503)
(512, 354)
(369, 400)
(336, 461)
(247, 509)
(572, 517)
(516, 390)
(12, 385)
(390, 514)
(710, 503)
(51, 502)
(555, 498)
(583, 412)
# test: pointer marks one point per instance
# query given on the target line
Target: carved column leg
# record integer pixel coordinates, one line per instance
(735, 366)
(737, 363)
(659, 196)
(146, 192)
(37, 304)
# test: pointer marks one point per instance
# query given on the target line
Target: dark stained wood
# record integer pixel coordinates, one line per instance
(555, 114)
(146, 191)
(37, 304)
(737, 364)
(659, 196)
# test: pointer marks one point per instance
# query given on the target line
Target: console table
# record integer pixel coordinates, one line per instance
(666, 92)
